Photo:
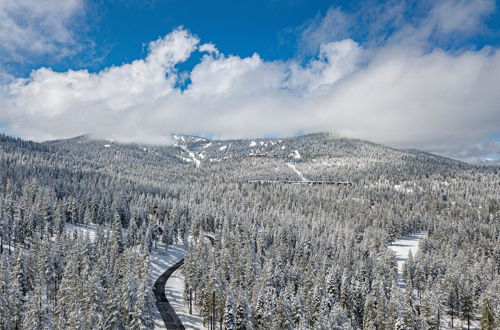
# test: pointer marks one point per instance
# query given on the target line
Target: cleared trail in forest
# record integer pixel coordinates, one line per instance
(166, 310)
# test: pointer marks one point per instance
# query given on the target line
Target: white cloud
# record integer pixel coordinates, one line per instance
(33, 27)
(333, 27)
(459, 15)
(209, 48)
(396, 94)
(334, 61)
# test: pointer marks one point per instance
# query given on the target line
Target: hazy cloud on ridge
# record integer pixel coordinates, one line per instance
(399, 93)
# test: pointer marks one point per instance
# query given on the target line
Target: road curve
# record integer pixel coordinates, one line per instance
(166, 310)
(167, 313)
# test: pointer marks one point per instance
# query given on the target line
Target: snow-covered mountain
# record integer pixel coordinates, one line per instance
(320, 156)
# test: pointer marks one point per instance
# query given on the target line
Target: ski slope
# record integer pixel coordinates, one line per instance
(301, 176)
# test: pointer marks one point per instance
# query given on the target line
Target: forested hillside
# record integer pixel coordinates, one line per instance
(286, 256)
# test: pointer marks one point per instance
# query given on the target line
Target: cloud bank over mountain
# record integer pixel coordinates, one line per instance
(401, 90)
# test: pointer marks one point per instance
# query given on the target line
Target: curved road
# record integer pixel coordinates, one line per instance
(167, 313)
(166, 310)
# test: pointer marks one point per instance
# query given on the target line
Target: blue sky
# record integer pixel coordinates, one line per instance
(139, 70)
(115, 32)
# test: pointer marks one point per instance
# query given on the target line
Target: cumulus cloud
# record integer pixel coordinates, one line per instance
(395, 94)
(33, 27)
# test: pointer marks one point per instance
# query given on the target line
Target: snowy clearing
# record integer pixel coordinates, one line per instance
(402, 248)
(83, 229)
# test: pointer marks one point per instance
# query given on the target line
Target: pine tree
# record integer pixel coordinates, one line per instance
(229, 320)
(369, 316)
(37, 310)
(409, 313)
(15, 293)
(67, 304)
(393, 316)
(241, 316)
(488, 320)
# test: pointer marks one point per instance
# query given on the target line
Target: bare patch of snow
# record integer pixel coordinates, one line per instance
(292, 166)
(402, 247)
(174, 290)
(82, 229)
(195, 160)
(295, 154)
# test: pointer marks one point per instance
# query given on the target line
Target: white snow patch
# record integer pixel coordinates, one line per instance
(174, 290)
(195, 160)
(223, 148)
(253, 144)
(176, 137)
(402, 248)
(83, 229)
(207, 145)
(295, 154)
(283, 147)
(107, 146)
(292, 166)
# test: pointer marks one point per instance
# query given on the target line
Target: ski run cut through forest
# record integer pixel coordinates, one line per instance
(308, 232)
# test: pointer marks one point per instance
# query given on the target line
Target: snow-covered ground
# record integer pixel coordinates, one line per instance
(83, 229)
(191, 154)
(301, 176)
(174, 290)
(162, 260)
(402, 248)
(295, 154)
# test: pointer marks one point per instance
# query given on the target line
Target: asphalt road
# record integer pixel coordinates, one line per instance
(167, 313)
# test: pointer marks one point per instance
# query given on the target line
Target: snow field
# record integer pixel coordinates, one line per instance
(402, 248)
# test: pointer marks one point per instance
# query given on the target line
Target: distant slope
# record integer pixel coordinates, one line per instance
(319, 156)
